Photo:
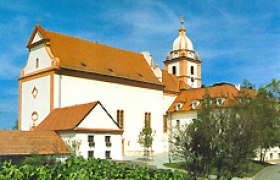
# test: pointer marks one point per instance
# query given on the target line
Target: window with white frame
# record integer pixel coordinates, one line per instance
(195, 103)
(108, 141)
(178, 123)
(178, 106)
(90, 154)
(220, 101)
(108, 154)
(91, 142)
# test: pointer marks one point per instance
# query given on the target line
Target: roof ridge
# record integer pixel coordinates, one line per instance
(94, 42)
(77, 105)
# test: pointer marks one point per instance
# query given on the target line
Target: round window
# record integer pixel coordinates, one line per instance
(34, 116)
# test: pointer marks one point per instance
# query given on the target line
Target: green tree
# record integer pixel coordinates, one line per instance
(248, 84)
(15, 126)
(145, 138)
(222, 140)
(268, 116)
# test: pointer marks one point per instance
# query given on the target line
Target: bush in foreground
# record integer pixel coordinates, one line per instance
(79, 168)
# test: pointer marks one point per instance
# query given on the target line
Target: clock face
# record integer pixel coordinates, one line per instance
(34, 116)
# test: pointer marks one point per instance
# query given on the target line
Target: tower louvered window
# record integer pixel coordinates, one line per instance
(192, 70)
(174, 70)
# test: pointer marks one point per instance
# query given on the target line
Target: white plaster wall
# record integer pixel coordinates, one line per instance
(134, 101)
(100, 145)
(38, 36)
(185, 119)
(99, 119)
(275, 153)
(170, 65)
(40, 104)
(40, 53)
(168, 99)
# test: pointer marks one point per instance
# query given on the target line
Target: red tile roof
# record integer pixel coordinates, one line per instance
(172, 83)
(31, 142)
(86, 56)
(227, 91)
(67, 118)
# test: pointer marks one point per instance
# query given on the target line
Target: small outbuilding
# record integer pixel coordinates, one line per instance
(88, 129)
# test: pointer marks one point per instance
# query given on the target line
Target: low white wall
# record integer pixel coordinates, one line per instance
(100, 146)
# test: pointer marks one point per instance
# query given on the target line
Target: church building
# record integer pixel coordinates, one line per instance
(64, 71)
(100, 97)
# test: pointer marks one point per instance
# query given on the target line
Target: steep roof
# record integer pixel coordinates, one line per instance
(227, 91)
(172, 83)
(86, 56)
(67, 118)
(31, 142)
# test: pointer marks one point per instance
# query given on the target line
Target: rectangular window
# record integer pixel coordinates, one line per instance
(165, 121)
(108, 141)
(278, 155)
(178, 123)
(192, 70)
(37, 63)
(90, 154)
(90, 138)
(271, 155)
(91, 142)
(107, 138)
(108, 154)
(120, 118)
(148, 119)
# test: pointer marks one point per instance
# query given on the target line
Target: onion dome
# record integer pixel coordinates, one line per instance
(182, 45)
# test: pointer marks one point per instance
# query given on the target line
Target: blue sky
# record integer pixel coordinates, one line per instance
(236, 39)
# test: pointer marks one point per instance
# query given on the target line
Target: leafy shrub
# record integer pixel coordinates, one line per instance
(79, 168)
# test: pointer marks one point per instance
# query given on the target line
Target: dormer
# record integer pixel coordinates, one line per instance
(220, 101)
(178, 106)
(195, 104)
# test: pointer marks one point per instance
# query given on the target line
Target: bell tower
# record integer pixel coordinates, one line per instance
(183, 61)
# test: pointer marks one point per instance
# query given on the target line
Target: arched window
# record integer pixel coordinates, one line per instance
(192, 70)
(174, 70)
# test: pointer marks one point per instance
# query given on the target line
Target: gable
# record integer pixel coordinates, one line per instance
(38, 36)
(38, 59)
(90, 116)
(98, 119)
(66, 118)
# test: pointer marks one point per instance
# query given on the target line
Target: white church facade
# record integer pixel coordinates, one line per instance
(63, 71)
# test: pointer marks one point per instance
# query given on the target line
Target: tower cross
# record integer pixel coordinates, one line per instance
(182, 20)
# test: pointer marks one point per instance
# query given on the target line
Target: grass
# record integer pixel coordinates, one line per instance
(178, 165)
(253, 167)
